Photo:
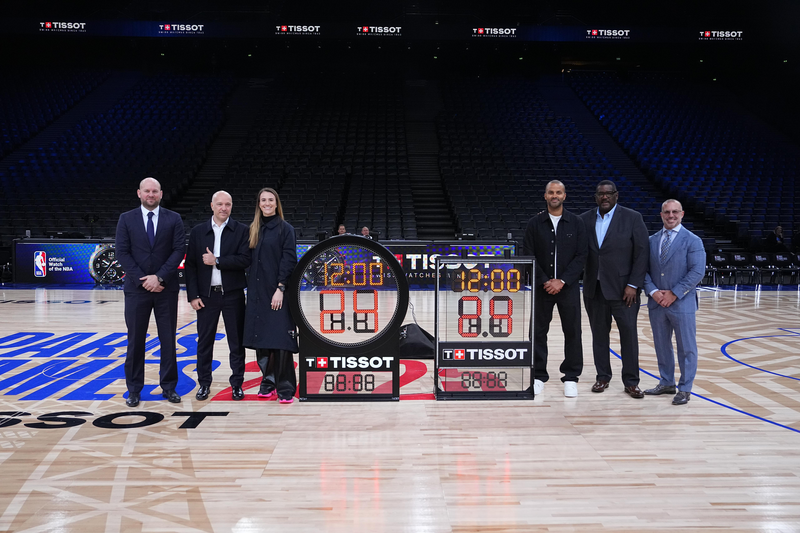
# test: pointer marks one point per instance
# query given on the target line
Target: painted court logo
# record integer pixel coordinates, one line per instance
(39, 264)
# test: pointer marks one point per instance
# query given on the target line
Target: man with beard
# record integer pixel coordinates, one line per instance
(557, 239)
(150, 245)
(612, 284)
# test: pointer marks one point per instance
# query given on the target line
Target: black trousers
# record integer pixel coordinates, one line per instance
(600, 312)
(277, 368)
(138, 307)
(569, 309)
(231, 306)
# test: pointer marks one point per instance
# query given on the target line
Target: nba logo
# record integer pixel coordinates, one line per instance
(39, 264)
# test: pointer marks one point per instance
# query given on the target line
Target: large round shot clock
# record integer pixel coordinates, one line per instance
(484, 319)
(348, 297)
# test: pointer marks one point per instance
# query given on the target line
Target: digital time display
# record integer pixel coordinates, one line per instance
(349, 382)
(500, 379)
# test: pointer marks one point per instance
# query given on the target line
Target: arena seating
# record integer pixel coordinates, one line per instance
(80, 183)
(335, 151)
(698, 144)
(501, 144)
(31, 100)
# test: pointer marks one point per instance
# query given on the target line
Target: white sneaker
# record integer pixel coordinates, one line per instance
(538, 387)
(570, 389)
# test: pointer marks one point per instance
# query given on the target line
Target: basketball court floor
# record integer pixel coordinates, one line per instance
(74, 458)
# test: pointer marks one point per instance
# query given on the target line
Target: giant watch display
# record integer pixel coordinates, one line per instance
(348, 296)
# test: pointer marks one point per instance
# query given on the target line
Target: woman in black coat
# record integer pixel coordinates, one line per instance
(268, 326)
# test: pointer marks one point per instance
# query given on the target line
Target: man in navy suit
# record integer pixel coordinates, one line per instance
(218, 254)
(557, 238)
(612, 282)
(677, 264)
(150, 246)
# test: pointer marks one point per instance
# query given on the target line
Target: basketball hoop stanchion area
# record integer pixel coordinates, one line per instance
(484, 320)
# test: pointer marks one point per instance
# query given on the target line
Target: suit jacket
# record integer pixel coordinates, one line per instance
(681, 272)
(234, 258)
(139, 259)
(622, 260)
(540, 242)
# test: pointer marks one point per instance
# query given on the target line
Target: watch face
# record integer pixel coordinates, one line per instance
(351, 292)
(104, 267)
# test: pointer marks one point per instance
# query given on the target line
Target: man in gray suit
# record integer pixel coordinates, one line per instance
(677, 264)
(612, 281)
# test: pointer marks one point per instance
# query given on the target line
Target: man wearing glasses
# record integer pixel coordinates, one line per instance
(612, 281)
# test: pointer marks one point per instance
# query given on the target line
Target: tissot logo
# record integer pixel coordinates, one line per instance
(724, 35)
(386, 31)
(494, 32)
(608, 34)
(344, 363)
(459, 355)
(177, 29)
(287, 29)
(63, 27)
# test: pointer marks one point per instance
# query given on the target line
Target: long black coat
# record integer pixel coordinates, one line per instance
(273, 260)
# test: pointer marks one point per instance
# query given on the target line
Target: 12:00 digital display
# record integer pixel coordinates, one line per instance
(497, 280)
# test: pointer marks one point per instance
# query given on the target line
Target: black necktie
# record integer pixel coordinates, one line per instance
(151, 229)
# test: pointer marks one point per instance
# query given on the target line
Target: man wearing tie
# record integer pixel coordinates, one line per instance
(218, 254)
(677, 264)
(612, 281)
(150, 247)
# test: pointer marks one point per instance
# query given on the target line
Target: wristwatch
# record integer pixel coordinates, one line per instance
(161, 281)
(282, 288)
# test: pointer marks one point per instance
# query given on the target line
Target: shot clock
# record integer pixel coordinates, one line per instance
(484, 319)
(348, 297)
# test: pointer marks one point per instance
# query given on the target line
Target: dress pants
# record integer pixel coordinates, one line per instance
(277, 369)
(138, 306)
(231, 306)
(663, 321)
(600, 312)
(569, 309)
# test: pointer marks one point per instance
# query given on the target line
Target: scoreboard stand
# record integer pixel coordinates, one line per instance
(484, 320)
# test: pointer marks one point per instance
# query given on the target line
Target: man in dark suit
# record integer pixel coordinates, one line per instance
(557, 239)
(150, 247)
(677, 264)
(612, 284)
(218, 254)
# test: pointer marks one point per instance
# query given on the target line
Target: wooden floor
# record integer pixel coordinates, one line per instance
(728, 460)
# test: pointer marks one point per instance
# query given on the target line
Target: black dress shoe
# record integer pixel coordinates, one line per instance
(600, 386)
(681, 398)
(133, 399)
(171, 395)
(660, 389)
(203, 392)
(634, 391)
(238, 394)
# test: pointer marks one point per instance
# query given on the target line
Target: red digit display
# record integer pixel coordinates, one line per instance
(361, 325)
(336, 316)
(496, 319)
(474, 319)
